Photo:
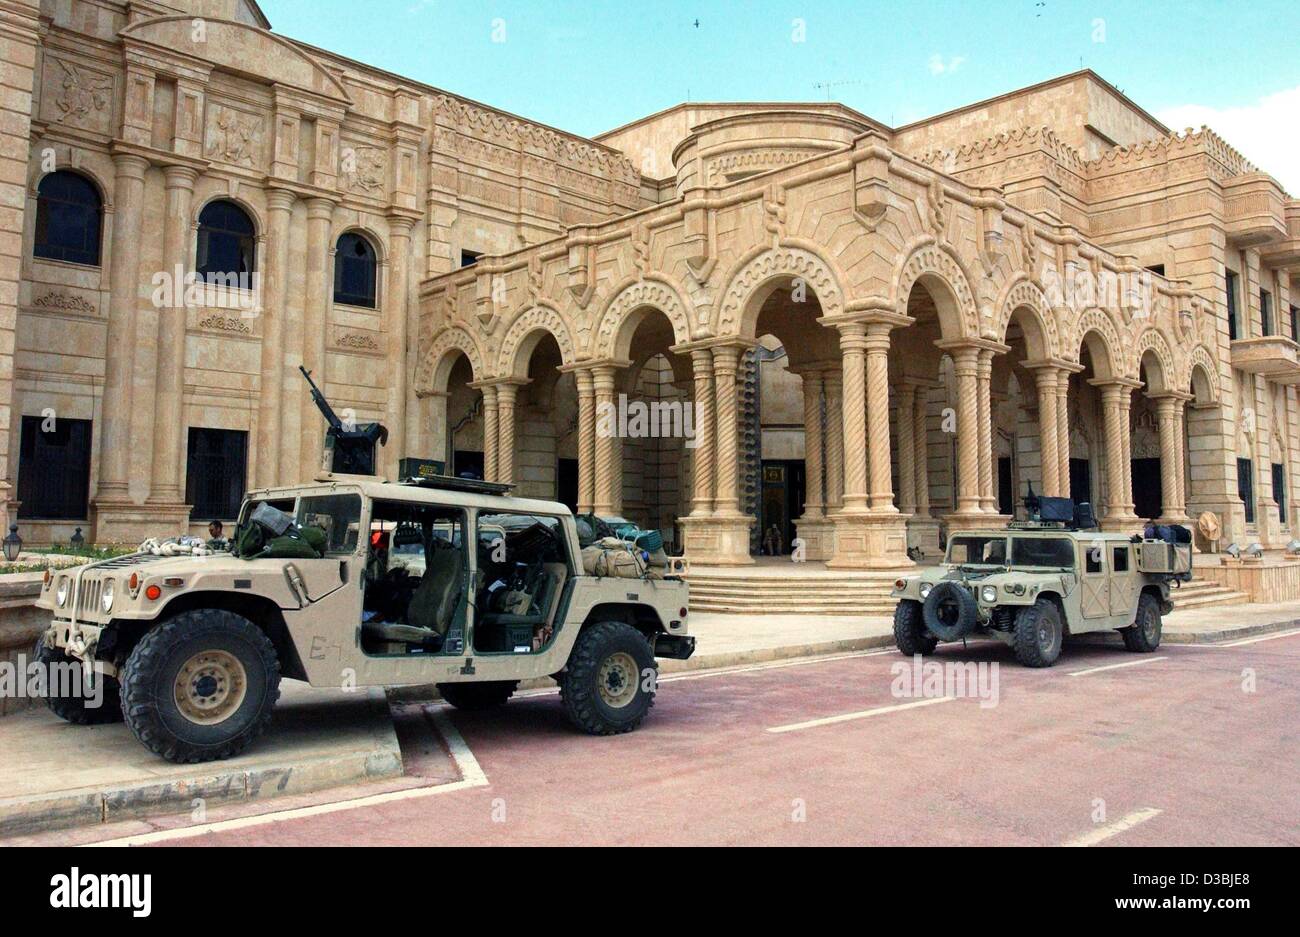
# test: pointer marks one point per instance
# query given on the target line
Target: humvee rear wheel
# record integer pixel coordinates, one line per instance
(473, 696)
(94, 706)
(1143, 636)
(609, 684)
(909, 630)
(200, 686)
(1039, 633)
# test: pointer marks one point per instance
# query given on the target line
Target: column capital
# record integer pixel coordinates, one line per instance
(401, 223)
(320, 208)
(278, 199)
(1174, 395)
(129, 164)
(1117, 383)
(874, 314)
(1052, 365)
(180, 176)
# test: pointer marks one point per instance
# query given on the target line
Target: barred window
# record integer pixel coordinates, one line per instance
(215, 468)
(54, 468)
(69, 216)
(225, 255)
(354, 271)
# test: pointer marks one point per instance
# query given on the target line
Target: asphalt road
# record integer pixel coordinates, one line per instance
(1192, 745)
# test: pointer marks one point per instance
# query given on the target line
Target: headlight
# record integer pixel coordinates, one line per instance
(61, 593)
(106, 597)
(925, 590)
(989, 594)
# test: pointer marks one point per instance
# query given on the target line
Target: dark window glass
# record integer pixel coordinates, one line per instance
(338, 515)
(1295, 324)
(214, 472)
(68, 218)
(469, 258)
(1093, 559)
(1158, 269)
(1246, 487)
(1039, 551)
(225, 248)
(1266, 312)
(1119, 559)
(54, 468)
(1232, 305)
(354, 271)
(1279, 490)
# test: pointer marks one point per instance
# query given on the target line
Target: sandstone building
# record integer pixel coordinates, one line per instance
(879, 333)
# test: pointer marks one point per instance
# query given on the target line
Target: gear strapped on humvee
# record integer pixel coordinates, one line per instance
(354, 581)
(1036, 581)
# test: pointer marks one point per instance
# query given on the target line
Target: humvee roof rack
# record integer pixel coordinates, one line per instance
(451, 483)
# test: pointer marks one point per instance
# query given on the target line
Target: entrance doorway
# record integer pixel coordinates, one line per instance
(1148, 499)
(782, 499)
(1081, 480)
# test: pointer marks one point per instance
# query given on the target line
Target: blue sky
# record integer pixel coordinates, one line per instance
(588, 67)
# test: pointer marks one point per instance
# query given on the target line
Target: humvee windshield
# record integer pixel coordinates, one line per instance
(978, 551)
(1051, 552)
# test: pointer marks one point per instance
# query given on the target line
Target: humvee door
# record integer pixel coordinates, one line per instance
(1094, 589)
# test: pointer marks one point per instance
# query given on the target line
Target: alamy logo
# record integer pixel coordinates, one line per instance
(638, 420)
(104, 890)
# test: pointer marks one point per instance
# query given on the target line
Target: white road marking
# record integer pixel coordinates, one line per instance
(1131, 663)
(864, 714)
(1263, 637)
(471, 774)
(1102, 833)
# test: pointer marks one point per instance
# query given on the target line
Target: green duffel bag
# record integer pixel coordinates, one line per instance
(315, 537)
(248, 540)
(288, 547)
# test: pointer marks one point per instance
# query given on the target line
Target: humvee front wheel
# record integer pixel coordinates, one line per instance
(474, 696)
(1143, 636)
(200, 686)
(94, 706)
(1039, 634)
(910, 634)
(609, 684)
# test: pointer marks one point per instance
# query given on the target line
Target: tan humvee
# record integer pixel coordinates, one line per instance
(1034, 582)
(194, 647)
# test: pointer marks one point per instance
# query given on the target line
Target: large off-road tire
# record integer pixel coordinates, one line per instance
(949, 611)
(475, 696)
(909, 630)
(76, 709)
(200, 686)
(1143, 636)
(609, 684)
(1039, 634)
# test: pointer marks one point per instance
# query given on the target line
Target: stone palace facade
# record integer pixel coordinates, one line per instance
(858, 334)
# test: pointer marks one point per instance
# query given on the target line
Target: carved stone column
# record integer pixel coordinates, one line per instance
(966, 368)
(813, 529)
(586, 440)
(833, 385)
(1063, 431)
(489, 431)
(112, 491)
(274, 287)
(854, 416)
(318, 298)
(921, 438)
(607, 448)
(1169, 415)
(984, 377)
(702, 455)
(726, 361)
(1180, 464)
(1046, 378)
(165, 492)
(877, 407)
(506, 395)
(1116, 396)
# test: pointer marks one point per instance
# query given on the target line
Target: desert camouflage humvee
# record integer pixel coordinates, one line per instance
(1034, 582)
(192, 648)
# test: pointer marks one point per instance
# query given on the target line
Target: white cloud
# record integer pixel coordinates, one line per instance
(1267, 132)
(940, 67)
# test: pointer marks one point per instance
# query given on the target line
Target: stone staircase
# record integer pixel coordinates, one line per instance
(822, 592)
(1200, 593)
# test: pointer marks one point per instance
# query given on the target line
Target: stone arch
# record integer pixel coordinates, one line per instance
(932, 264)
(221, 195)
(1023, 293)
(524, 334)
(1098, 330)
(619, 319)
(761, 272)
(376, 240)
(1202, 377)
(1152, 348)
(435, 367)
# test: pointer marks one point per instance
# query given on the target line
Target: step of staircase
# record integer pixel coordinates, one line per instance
(827, 593)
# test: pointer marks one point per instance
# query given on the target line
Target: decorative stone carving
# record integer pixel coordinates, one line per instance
(233, 136)
(64, 302)
(643, 293)
(789, 262)
(356, 340)
(362, 169)
(222, 323)
(446, 342)
(82, 95)
(543, 318)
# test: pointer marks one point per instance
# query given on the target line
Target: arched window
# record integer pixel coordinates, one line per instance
(68, 218)
(225, 251)
(354, 271)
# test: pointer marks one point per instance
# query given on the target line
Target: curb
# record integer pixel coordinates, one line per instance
(98, 805)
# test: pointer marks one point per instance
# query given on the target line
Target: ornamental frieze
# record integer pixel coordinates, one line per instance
(78, 96)
(64, 302)
(233, 136)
